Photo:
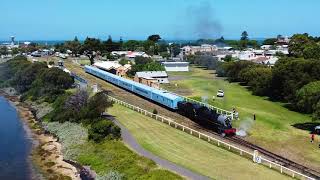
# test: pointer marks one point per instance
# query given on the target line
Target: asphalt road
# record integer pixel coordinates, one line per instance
(131, 142)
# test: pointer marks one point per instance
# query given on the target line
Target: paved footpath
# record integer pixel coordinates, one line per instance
(129, 140)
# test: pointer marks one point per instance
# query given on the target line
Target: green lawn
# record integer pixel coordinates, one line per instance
(273, 128)
(188, 151)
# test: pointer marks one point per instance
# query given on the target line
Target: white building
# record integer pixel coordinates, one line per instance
(160, 76)
(191, 50)
(176, 66)
(130, 54)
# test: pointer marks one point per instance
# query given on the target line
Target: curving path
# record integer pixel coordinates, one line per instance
(129, 140)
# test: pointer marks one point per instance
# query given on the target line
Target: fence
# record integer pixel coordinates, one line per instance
(219, 110)
(212, 140)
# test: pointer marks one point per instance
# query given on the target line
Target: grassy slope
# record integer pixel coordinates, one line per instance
(189, 151)
(107, 156)
(273, 128)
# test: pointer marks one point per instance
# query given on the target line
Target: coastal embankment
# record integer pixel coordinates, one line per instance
(46, 152)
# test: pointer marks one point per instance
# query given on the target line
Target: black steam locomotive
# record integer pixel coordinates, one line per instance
(206, 117)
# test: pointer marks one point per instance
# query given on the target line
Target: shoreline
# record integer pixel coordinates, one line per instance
(45, 158)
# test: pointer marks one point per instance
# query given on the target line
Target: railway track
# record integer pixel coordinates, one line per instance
(267, 154)
(130, 98)
(277, 159)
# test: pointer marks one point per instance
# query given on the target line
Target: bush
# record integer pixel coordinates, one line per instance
(155, 111)
(258, 78)
(103, 128)
(308, 97)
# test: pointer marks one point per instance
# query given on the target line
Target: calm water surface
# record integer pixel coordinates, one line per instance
(15, 146)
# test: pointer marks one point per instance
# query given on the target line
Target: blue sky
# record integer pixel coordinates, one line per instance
(172, 19)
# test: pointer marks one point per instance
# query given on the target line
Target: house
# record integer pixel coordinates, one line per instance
(191, 50)
(129, 54)
(176, 66)
(152, 78)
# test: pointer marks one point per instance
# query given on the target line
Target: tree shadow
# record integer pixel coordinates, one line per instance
(309, 126)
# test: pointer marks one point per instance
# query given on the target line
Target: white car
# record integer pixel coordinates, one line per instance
(220, 93)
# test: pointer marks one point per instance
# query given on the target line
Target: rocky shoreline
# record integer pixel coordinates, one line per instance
(46, 152)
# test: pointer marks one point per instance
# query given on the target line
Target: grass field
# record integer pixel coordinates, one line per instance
(273, 128)
(188, 151)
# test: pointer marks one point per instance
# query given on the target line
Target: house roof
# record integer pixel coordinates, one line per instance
(145, 74)
(107, 65)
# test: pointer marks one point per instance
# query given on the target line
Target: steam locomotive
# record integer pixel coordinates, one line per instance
(207, 117)
(200, 114)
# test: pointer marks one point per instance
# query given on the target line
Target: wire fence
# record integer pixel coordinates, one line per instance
(250, 155)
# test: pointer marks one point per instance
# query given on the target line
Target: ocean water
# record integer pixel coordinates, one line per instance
(15, 146)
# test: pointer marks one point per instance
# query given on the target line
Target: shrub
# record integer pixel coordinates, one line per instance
(103, 128)
(155, 111)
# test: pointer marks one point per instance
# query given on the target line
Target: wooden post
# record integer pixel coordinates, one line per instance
(218, 143)
(281, 169)
(183, 128)
(190, 131)
(199, 135)
(270, 165)
(241, 152)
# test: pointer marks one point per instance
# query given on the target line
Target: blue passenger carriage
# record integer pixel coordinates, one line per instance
(162, 97)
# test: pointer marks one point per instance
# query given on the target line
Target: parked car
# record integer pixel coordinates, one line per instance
(317, 130)
(220, 93)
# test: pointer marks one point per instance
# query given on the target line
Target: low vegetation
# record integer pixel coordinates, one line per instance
(109, 158)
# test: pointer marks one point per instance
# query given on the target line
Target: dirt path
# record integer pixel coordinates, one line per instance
(133, 144)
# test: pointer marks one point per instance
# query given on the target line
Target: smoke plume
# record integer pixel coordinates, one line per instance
(244, 127)
(202, 21)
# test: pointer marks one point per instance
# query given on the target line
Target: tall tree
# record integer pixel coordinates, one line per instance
(91, 47)
(74, 46)
(244, 36)
(155, 38)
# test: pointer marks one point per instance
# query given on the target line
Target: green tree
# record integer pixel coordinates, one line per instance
(91, 47)
(258, 78)
(308, 97)
(298, 43)
(124, 61)
(132, 45)
(270, 41)
(311, 50)
(228, 58)
(103, 128)
(74, 46)
(244, 36)
(4, 50)
(154, 38)
(96, 105)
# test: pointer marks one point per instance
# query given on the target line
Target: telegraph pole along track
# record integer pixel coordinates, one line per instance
(130, 98)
